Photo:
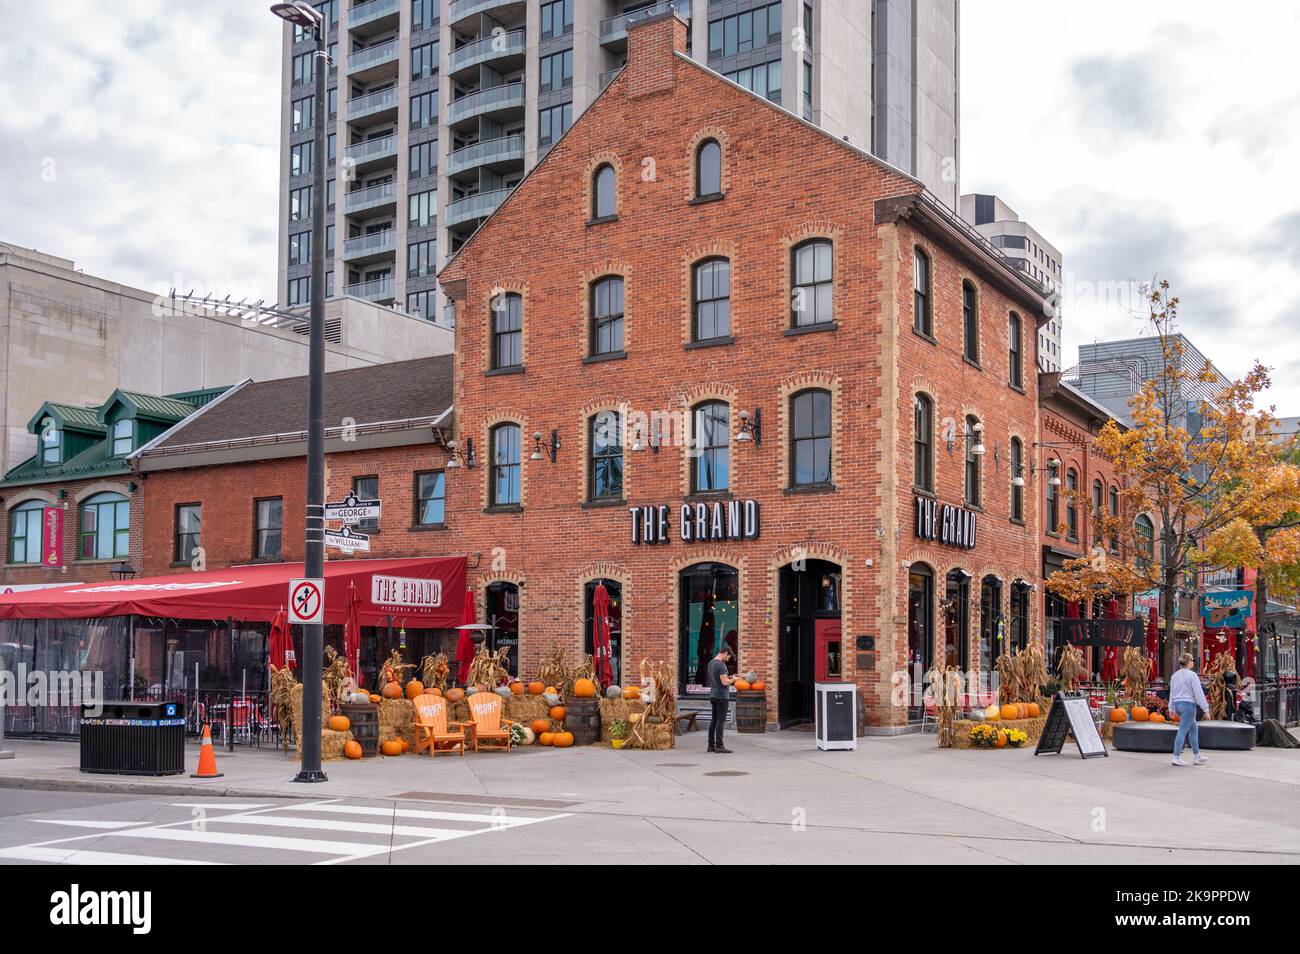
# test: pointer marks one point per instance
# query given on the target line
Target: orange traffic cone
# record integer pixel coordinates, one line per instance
(207, 757)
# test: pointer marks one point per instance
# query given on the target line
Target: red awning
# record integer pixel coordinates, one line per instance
(417, 593)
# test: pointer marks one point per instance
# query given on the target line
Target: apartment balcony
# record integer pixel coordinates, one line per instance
(372, 153)
(374, 62)
(489, 152)
(505, 51)
(373, 246)
(379, 289)
(458, 11)
(374, 17)
(613, 30)
(473, 207)
(380, 198)
(373, 108)
(494, 101)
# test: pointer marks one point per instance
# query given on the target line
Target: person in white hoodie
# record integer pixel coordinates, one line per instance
(1185, 696)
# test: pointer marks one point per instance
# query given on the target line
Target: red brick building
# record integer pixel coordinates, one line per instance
(756, 381)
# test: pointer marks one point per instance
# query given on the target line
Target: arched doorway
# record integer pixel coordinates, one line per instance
(615, 617)
(956, 620)
(810, 646)
(501, 601)
(920, 633)
(710, 616)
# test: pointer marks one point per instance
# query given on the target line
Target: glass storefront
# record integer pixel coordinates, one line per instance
(502, 614)
(710, 616)
(615, 617)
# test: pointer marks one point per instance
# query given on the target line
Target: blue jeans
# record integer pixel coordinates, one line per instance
(1186, 727)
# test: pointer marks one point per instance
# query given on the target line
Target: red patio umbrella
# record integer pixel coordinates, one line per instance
(465, 646)
(352, 634)
(280, 643)
(1153, 641)
(600, 641)
(1110, 657)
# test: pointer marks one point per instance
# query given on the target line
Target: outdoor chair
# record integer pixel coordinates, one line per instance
(491, 730)
(431, 730)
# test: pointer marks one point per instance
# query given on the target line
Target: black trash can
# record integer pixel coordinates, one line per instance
(133, 738)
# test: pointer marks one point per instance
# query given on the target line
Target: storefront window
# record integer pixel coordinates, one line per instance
(956, 620)
(710, 616)
(615, 618)
(503, 616)
(920, 632)
(1019, 615)
(991, 623)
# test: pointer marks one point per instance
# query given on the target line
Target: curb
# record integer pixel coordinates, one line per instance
(36, 783)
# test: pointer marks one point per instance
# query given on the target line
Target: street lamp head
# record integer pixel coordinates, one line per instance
(298, 13)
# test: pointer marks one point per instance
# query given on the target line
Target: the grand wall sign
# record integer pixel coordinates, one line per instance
(951, 526)
(700, 522)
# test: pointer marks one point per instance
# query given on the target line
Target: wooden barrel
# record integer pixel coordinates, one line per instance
(582, 718)
(365, 725)
(751, 711)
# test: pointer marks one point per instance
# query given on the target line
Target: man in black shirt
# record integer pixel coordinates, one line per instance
(719, 696)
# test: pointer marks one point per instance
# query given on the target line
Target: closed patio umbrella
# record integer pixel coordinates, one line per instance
(1153, 641)
(600, 642)
(352, 634)
(280, 645)
(465, 645)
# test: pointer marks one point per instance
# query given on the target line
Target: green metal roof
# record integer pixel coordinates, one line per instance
(146, 405)
(67, 415)
(95, 461)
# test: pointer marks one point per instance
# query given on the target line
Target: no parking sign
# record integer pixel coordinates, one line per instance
(306, 601)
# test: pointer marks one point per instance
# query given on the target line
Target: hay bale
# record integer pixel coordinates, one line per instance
(332, 743)
(296, 704)
(524, 709)
(396, 720)
(652, 735)
(616, 710)
(1033, 728)
(458, 711)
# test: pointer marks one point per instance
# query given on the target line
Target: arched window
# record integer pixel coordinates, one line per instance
(920, 633)
(923, 443)
(1096, 512)
(1017, 474)
(710, 464)
(970, 323)
(974, 455)
(708, 169)
(607, 315)
(503, 478)
(810, 438)
(1146, 540)
(710, 617)
(1053, 501)
(811, 269)
(711, 299)
(1114, 515)
(602, 192)
(26, 522)
(605, 468)
(922, 319)
(1072, 504)
(1019, 615)
(956, 620)
(105, 527)
(507, 330)
(1015, 346)
(613, 619)
(991, 623)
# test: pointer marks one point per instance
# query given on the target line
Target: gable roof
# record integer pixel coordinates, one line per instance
(67, 415)
(95, 461)
(165, 409)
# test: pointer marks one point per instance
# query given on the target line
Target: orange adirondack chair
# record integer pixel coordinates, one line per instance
(431, 731)
(490, 729)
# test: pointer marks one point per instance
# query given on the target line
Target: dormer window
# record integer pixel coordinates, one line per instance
(51, 446)
(123, 437)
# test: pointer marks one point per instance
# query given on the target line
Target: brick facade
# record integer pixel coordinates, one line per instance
(69, 496)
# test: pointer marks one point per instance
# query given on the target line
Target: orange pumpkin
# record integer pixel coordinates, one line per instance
(536, 688)
(1118, 715)
(1034, 710)
(374, 697)
(551, 690)
(391, 691)
(517, 688)
(632, 692)
(562, 740)
(455, 695)
(1002, 739)
(434, 691)
(1008, 711)
(557, 713)
(352, 749)
(406, 746)
(1156, 717)
(340, 723)
(546, 738)
(1140, 714)
(742, 685)
(1173, 716)
(391, 747)
(414, 688)
(758, 686)
(584, 688)
(539, 726)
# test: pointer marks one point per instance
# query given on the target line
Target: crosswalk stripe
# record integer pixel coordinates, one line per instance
(501, 819)
(245, 840)
(80, 857)
(86, 823)
(225, 806)
(368, 828)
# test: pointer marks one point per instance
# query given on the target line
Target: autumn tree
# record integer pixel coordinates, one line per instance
(1202, 484)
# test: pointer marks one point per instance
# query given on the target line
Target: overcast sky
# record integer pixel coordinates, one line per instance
(1156, 138)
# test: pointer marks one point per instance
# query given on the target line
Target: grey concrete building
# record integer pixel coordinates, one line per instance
(73, 338)
(438, 108)
(1031, 253)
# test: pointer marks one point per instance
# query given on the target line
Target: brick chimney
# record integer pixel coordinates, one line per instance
(651, 43)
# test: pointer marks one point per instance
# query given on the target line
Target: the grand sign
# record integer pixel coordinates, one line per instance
(949, 525)
(701, 522)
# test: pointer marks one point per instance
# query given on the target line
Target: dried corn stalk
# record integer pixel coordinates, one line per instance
(1135, 668)
(335, 678)
(434, 671)
(1032, 667)
(1071, 670)
(489, 668)
(1008, 678)
(584, 670)
(393, 669)
(553, 670)
(282, 685)
(663, 707)
(1217, 696)
(945, 690)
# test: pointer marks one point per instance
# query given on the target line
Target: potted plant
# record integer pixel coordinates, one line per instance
(618, 733)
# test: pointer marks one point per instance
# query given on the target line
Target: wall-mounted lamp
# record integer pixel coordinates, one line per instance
(460, 458)
(122, 571)
(975, 439)
(551, 449)
(1054, 472)
(751, 427)
(640, 442)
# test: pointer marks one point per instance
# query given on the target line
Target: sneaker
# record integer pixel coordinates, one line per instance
(1200, 760)
(713, 748)
(723, 750)
(1178, 761)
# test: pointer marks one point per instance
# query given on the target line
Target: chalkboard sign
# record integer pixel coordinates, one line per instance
(1070, 714)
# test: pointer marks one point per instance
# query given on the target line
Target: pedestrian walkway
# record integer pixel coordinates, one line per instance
(223, 831)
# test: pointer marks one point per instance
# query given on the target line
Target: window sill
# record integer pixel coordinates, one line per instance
(1017, 522)
(259, 562)
(177, 564)
(91, 562)
(500, 372)
(607, 356)
(504, 508)
(704, 496)
(970, 506)
(922, 492)
(974, 364)
(710, 343)
(601, 220)
(1015, 387)
(706, 199)
(603, 503)
(811, 489)
(924, 337)
(811, 329)
(427, 527)
(30, 566)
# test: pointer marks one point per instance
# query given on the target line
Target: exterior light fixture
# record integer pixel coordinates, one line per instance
(551, 449)
(1054, 469)
(459, 458)
(751, 427)
(975, 436)
(298, 13)
(122, 571)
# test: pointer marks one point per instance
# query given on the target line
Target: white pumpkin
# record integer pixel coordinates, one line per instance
(529, 736)
(360, 698)
(614, 692)
(552, 698)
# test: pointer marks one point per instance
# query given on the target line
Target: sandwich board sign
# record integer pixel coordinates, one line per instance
(307, 601)
(347, 540)
(352, 509)
(1070, 714)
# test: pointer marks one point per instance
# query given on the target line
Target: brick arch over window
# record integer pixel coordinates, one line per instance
(27, 496)
(607, 158)
(811, 380)
(483, 453)
(694, 256)
(506, 286)
(724, 143)
(102, 487)
(586, 281)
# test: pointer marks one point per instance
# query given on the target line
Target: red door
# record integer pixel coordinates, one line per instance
(827, 652)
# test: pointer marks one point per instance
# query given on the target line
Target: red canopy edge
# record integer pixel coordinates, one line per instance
(420, 593)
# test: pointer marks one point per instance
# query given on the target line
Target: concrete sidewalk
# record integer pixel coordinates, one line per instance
(1246, 802)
